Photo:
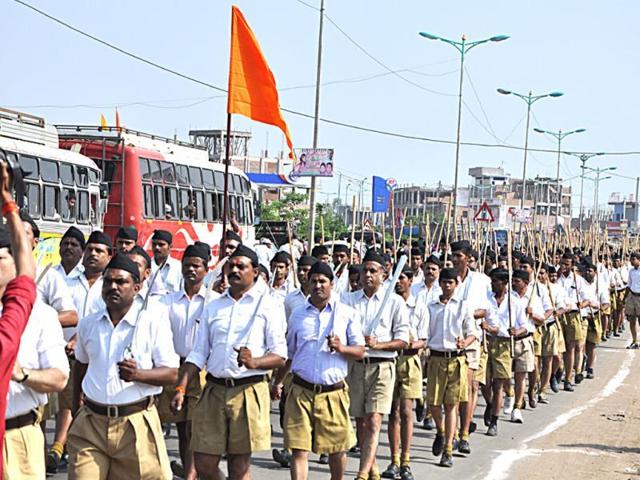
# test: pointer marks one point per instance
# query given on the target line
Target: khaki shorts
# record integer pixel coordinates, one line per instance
(317, 422)
(499, 362)
(594, 330)
(551, 336)
(537, 342)
(524, 359)
(572, 330)
(448, 381)
(408, 377)
(232, 420)
(480, 374)
(22, 453)
(619, 301)
(65, 397)
(472, 352)
(371, 387)
(194, 390)
(632, 305)
(123, 447)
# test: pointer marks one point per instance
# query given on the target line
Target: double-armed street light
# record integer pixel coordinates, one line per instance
(583, 158)
(463, 46)
(596, 190)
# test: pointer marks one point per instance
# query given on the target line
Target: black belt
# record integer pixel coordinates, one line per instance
(522, 337)
(116, 411)
(20, 421)
(496, 338)
(438, 353)
(634, 293)
(315, 387)
(407, 352)
(367, 360)
(236, 382)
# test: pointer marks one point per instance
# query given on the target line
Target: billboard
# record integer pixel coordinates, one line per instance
(313, 162)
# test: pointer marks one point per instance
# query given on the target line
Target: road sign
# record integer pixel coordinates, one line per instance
(484, 213)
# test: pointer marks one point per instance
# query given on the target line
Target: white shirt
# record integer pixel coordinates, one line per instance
(558, 299)
(634, 279)
(170, 277)
(498, 315)
(473, 290)
(425, 294)
(308, 346)
(292, 301)
(147, 337)
(615, 280)
(394, 321)
(87, 299)
(534, 297)
(283, 290)
(448, 322)
(569, 284)
(418, 278)
(341, 283)
(256, 321)
(41, 346)
(184, 317)
(54, 291)
(418, 318)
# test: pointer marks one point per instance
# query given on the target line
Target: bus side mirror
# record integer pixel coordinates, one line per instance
(104, 190)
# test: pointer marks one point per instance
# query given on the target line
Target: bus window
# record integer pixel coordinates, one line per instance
(145, 173)
(232, 205)
(51, 203)
(187, 210)
(158, 202)
(183, 174)
(94, 175)
(33, 200)
(210, 207)
(29, 167)
(207, 177)
(220, 205)
(154, 167)
(69, 202)
(66, 173)
(247, 211)
(195, 176)
(82, 177)
(148, 201)
(233, 184)
(49, 171)
(219, 178)
(240, 212)
(83, 207)
(168, 172)
(198, 198)
(170, 203)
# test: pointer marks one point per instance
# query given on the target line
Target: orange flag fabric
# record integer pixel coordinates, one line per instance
(103, 121)
(252, 87)
(118, 126)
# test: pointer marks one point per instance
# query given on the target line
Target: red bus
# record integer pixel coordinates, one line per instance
(151, 182)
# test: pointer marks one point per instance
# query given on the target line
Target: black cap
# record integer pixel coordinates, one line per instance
(100, 237)
(307, 260)
(264, 270)
(198, 249)
(163, 236)
(244, 251)
(373, 256)
(416, 252)
(341, 248)
(231, 235)
(448, 274)
(355, 268)
(321, 268)
(138, 250)
(501, 274)
(74, 232)
(319, 250)
(434, 260)
(463, 246)
(127, 233)
(521, 274)
(281, 257)
(526, 260)
(120, 261)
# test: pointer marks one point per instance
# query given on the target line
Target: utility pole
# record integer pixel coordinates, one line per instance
(583, 157)
(316, 120)
(637, 203)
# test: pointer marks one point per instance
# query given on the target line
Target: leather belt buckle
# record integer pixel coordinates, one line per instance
(317, 389)
(229, 382)
(113, 411)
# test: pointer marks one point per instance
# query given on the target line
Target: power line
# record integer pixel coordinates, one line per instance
(294, 112)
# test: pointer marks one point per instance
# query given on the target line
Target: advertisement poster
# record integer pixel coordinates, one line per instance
(313, 162)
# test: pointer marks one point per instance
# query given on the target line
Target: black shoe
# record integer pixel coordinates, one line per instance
(454, 445)
(633, 346)
(473, 426)
(464, 447)
(493, 430)
(568, 387)
(405, 473)
(616, 334)
(177, 469)
(487, 416)
(589, 373)
(553, 383)
(166, 429)
(558, 375)
(438, 445)
(428, 424)
(392, 471)
(604, 338)
(355, 449)
(323, 459)
(579, 378)
(446, 461)
(53, 462)
(282, 457)
(421, 412)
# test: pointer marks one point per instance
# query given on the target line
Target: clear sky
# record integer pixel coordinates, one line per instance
(586, 49)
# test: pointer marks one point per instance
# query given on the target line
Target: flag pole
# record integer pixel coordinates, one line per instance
(225, 209)
(316, 121)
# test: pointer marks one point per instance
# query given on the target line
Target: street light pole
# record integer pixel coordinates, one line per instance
(529, 99)
(596, 192)
(560, 135)
(463, 47)
(583, 157)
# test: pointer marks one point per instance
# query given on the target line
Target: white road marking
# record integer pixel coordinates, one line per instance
(502, 464)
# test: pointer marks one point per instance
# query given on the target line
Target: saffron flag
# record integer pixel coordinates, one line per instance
(252, 87)
(103, 121)
(118, 126)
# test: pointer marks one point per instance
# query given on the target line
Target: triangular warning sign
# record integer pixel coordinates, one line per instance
(484, 213)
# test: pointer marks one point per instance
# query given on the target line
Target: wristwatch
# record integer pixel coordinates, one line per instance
(25, 375)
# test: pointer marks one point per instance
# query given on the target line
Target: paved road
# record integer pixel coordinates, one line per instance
(491, 458)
